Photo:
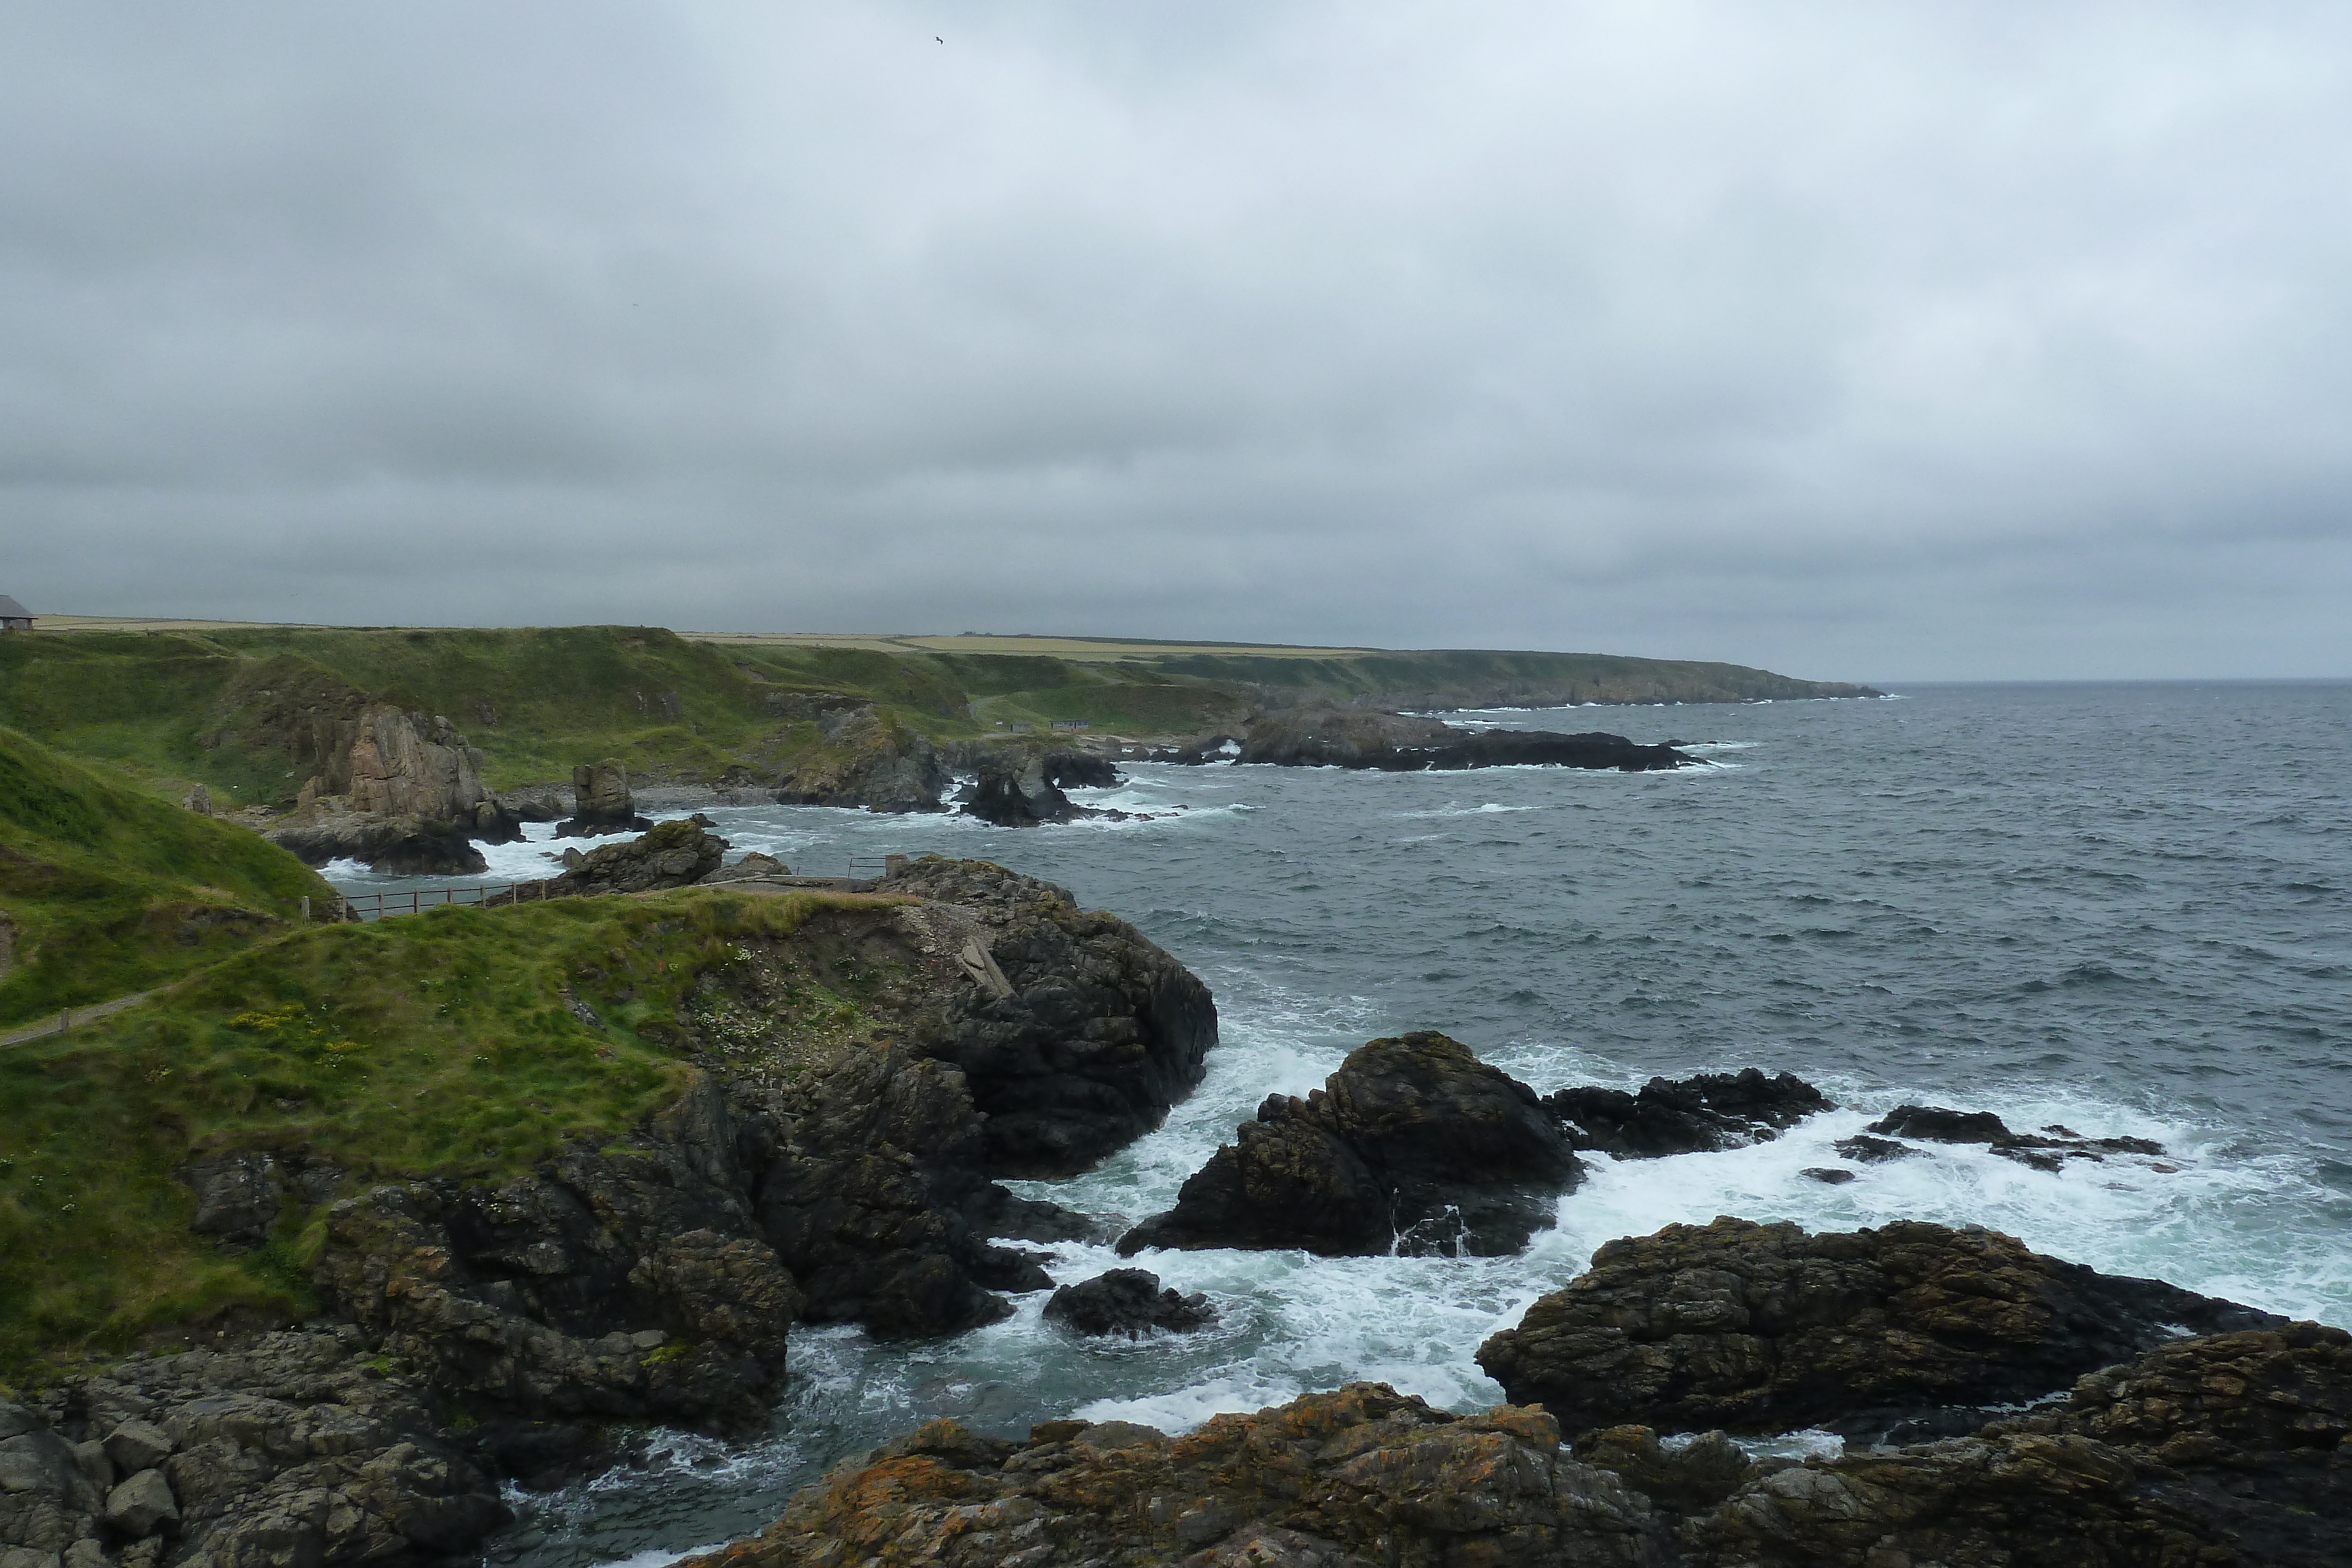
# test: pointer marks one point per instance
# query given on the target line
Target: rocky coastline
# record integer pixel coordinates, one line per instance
(1997, 1405)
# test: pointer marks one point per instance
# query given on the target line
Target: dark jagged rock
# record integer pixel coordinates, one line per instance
(1828, 1175)
(1076, 1034)
(328, 830)
(1414, 1144)
(1014, 793)
(2228, 1449)
(1764, 1328)
(1015, 787)
(1686, 1480)
(2047, 1150)
(602, 803)
(1360, 1477)
(299, 1447)
(1129, 1301)
(864, 758)
(1678, 1116)
(1392, 742)
(673, 855)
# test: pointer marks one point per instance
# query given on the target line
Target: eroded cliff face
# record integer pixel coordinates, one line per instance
(400, 791)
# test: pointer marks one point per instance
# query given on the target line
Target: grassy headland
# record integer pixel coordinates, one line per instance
(441, 1044)
(208, 704)
(105, 890)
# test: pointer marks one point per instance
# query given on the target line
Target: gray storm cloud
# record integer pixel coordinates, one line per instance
(1857, 340)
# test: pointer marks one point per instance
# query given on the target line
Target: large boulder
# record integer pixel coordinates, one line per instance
(1129, 1301)
(865, 758)
(1017, 791)
(1412, 1146)
(1910, 1328)
(1327, 736)
(1710, 1111)
(1360, 1477)
(601, 802)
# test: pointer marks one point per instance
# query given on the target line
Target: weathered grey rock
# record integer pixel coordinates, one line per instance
(142, 1505)
(1360, 1477)
(328, 829)
(85, 1553)
(673, 855)
(138, 1445)
(41, 1464)
(601, 802)
(90, 1458)
(752, 867)
(26, 1557)
(867, 759)
(237, 1196)
(14, 1419)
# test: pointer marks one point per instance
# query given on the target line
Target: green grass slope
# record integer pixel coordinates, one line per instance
(105, 890)
(443, 1043)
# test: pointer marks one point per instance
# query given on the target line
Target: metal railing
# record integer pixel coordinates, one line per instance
(417, 900)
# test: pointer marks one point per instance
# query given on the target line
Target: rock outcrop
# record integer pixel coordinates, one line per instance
(1708, 1111)
(1015, 787)
(401, 791)
(865, 758)
(1401, 743)
(673, 855)
(2227, 1449)
(1129, 1301)
(1360, 1477)
(833, 1165)
(1412, 1146)
(1910, 1329)
(601, 802)
(300, 1448)
(328, 829)
(1076, 1034)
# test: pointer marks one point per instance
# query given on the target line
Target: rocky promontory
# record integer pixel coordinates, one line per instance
(1413, 1144)
(868, 759)
(2225, 1451)
(1331, 736)
(401, 791)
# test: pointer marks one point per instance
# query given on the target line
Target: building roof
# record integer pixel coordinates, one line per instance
(12, 610)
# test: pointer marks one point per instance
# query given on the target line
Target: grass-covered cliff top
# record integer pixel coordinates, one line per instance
(105, 890)
(175, 707)
(443, 1043)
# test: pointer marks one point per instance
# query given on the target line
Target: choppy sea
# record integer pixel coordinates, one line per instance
(2126, 909)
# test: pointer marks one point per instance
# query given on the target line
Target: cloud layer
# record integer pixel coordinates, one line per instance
(1860, 340)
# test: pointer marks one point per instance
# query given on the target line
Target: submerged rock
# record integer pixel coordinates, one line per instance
(1127, 1301)
(2047, 1150)
(1413, 1144)
(1678, 1116)
(1764, 1328)
(1360, 1477)
(1321, 736)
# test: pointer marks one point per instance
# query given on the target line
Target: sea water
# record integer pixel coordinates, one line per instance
(2123, 908)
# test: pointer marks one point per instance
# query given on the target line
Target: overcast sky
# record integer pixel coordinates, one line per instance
(1864, 340)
